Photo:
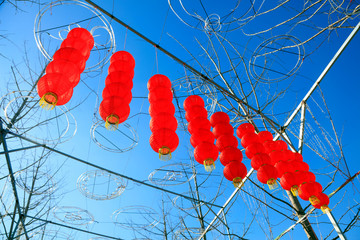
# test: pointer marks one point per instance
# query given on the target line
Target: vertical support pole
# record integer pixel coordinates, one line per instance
(302, 127)
(227, 228)
(335, 225)
(12, 179)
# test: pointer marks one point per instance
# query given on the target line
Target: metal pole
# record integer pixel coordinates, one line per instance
(335, 225)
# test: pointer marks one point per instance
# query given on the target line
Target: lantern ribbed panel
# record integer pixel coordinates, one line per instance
(309, 190)
(162, 121)
(230, 156)
(115, 106)
(323, 202)
(244, 128)
(202, 139)
(68, 62)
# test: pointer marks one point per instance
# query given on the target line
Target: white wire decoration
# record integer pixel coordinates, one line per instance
(185, 204)
(172, 174)
(121, 140)
(50, 36)
(136, 217)
(35, 182)
(73, 215)
(49, 127)
(100, 185)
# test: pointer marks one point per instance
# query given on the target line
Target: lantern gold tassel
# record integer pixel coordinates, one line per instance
(294, 190)
(209, 164)
(164, 153)
(48, 101)
(237, 182)
(325, 209)
(314, 200)
(272, 183)
(112, 122)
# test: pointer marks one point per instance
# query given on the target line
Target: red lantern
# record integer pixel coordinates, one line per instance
(309, 190)
(206, 154)
(230, 154)
(72, 55)
(124, 57)
(164, 141)
(160, 94)
(194, 112)
(193, 100)
(158, 80)
(277, 156)
(290, 182)
(199, 123)
(305, 176)
(280, 145)
(113, 111)
(79, 45)
(68, 69)
(260, 159)
(219, 117)
(269, 146)
(117, 90)
(83, 34)
(249, 138)
(265, 136)
(298, 156)
(54, 89)
(323, 203)
(225, 141)
(283, 167)
(222, 129)
(254, 149)
(124, 78)
(201, 135)
(163, 120)
(267, 174)
(244, 128)
(300, 166)
(158, 107)
(235, 171)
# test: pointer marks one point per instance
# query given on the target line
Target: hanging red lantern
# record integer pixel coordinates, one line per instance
(158, 80)
(71, 55)
(280, 145)
(305, 176)
(283, 167)
(117, 90)
(323, 203)
(235, 171)
(124, 78)
(54, 89)
(249, 138)
(290, 181)
(201, 135)
(160, 94)
(163, 120)
(219, 118)
(113, 110)
(267, 174)
(244, 128)
(83, 34)
(260, 159)
(298, 157)
(164, 141)
(269, 146)
(122, 61)
(300, 166)
(158, 107)
(277, 156)
(222, 129)
(206, 154)
(309, 190)
(254, 149)
(193, 100)
(265, 136)
(68, 69)
(199, 123)
(225, 141)
(194, 112)
(230, 154)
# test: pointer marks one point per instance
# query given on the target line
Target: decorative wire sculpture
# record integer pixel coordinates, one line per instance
(104, 48)
(136, 217)
(35, 182)
(73, 215)
(348, 7)
(212, 23)
(121, 140)
(266, 63)
(49, 127)
(172, 174)
(184, 202)
(53, 234)
(100, 185)
(188, 233)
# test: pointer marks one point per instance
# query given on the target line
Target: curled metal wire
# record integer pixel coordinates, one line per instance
(182, 203)
(57, 33)
(73, 215)
(172, 174)
(100, 185)
(44, 184)
(136, 217)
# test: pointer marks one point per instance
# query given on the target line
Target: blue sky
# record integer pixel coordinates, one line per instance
(156, 21)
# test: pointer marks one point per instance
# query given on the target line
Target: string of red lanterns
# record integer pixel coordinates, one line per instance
(62, 74)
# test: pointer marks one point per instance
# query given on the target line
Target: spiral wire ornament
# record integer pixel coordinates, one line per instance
(73, 215)
(172, 174)
(136, 217)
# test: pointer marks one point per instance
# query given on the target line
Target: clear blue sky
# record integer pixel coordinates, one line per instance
(156, 21)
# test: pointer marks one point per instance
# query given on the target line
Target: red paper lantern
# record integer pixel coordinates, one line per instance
(199, 123)
(235, 171)
(117, 90)
(206, 154)
(323, 203)
(68, 69)
(158, 107)
(277, 156)
(222, 129)
(265, 136)
(114, 110)
(201, 135)
(254, 149)
(160, 94)
(54, 89)
(219, 117)
(225, 141)
(122, 61)
(290, 181)
(163, 120)
(283, 167)
(298, 156)
(164, 141)
(79, 45)
(83, 34)
(124, 78)
(193, 100)
(267, 174)
(305, 176)
(300, 166)
(230, 154)
(280, 145)
(72, 55)
(260, 159)
(309, 190)
(158, 80)
(249, 138)
(194, 112)
(244, 128)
